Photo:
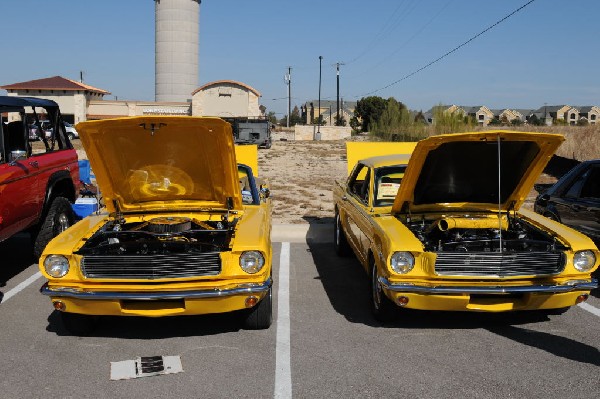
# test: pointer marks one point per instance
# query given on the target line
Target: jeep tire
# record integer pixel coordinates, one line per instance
(58, 218)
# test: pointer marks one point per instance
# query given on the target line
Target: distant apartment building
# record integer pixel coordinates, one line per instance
(548, 114)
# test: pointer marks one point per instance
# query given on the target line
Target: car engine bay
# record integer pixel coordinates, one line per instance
(482, 234)
(160, 236)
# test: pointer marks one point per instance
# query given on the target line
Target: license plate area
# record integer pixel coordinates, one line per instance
(496, 299)
(177, 304)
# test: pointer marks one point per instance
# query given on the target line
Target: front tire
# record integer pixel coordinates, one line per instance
(58, 219)
(383, 309)
(340, 243)
(261, 315)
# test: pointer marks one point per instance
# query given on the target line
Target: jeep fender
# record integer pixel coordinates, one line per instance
(60, 183)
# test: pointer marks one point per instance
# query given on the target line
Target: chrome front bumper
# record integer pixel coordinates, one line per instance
(575, 285)
(241, 289)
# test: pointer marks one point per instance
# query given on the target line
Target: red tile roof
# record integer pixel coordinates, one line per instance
(53, 83)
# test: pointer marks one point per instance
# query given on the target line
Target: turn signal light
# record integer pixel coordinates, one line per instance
(58, 305)
(251, 301)
(402, 301)
(582, 298)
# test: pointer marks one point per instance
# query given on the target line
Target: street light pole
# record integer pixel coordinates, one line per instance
(319, 111)
(288, 80)
(337, 66)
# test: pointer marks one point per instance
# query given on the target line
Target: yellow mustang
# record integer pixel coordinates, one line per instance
(186, 229)
(445, 229)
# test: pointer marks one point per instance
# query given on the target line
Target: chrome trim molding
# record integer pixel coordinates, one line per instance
(240, 289)
(577, 285)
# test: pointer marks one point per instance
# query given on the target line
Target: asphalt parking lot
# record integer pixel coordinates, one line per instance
(323, 343)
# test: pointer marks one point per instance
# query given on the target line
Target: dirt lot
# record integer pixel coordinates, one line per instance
(301, 176)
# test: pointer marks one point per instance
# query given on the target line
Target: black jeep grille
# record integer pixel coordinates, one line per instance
(151, 267)
(489, 264)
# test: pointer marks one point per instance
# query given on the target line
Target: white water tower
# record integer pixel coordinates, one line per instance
(176, 58)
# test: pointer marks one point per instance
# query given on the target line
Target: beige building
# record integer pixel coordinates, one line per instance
(72, 97)
(80, 102)
(226, 98)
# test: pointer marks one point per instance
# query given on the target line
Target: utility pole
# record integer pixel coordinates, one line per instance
(288, 80)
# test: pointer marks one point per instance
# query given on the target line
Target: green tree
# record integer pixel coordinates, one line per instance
(392, 120)
(341, 121)
(355, 124)
(516, 122)
(295, 118)
(449, 122)
(397, 124)
(272, 118)
(535, 121)
(369, 110)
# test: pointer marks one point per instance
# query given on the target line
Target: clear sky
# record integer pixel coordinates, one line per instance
(546, 53)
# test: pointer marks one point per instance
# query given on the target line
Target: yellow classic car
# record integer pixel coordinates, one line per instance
(454, 236)
(186, 229)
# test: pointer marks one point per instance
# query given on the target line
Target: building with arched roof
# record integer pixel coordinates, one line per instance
(226, 98)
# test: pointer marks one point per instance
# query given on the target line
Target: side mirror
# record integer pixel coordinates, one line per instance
(16, 155)
(542, 200)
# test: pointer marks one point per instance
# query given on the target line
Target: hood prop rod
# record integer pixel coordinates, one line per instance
(499, 193)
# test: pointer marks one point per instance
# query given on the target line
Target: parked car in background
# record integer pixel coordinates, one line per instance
(186, 229)
(39, 178)
(574, 199)
(71, 131)
(455, 237)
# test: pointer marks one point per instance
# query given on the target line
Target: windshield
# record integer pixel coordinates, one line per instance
(387, 183)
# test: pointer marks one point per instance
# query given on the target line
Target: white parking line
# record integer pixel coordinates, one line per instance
(590, 308)
(9, 294)
(283, 373)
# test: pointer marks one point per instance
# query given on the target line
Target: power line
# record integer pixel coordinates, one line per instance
(449, 52)
(387, 58)
(386, 29)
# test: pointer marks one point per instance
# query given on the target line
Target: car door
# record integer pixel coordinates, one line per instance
(357, 217)
(579, 207)
(588, 206)
(18, 202)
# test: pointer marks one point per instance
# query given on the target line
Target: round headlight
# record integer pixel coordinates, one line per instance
(584, 260)
(56, 265)
(252, 261)
(402, 262)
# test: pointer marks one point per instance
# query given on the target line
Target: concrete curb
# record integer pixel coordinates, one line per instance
(304, 232)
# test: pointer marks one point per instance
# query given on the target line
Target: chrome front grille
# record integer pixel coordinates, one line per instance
(492, 264)
(151, 267)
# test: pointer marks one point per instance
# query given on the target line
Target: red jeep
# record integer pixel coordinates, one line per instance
(39, 174)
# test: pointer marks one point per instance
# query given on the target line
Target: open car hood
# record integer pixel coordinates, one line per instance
(152, 163)
(468, 171)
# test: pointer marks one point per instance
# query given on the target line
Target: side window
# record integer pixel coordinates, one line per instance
(591, 188)
(575, 189)
(359, 182)
(14, 138)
